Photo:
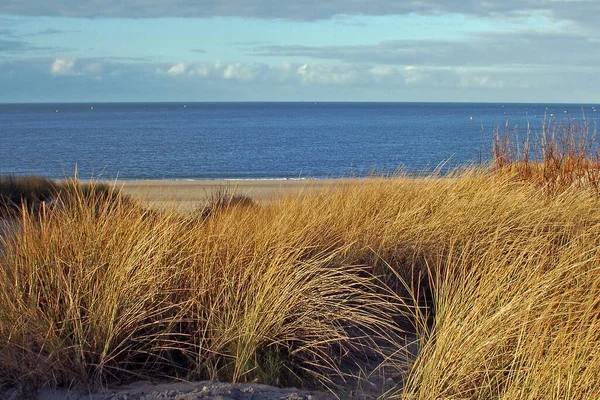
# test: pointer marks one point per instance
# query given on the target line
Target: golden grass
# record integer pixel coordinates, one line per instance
(517, 315)
(496, 279)
(562, 154)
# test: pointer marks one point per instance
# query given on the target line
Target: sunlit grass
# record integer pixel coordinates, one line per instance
(558, 155)
(495, 278)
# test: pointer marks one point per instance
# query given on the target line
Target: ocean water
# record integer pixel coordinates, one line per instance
(254, 140)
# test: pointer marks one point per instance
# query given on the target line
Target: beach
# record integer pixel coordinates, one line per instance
(187, 195)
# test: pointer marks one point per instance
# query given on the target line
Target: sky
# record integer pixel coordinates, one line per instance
(303, 50)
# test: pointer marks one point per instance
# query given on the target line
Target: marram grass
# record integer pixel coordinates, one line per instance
(494, 278)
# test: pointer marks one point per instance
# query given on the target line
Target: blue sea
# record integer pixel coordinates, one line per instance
(254, 140)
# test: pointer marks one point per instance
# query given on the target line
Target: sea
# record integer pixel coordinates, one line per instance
(188, 141)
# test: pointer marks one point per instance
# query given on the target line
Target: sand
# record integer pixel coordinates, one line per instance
(188, 195)
(183, 391)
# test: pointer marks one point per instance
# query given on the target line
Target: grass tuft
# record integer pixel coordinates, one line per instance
(28, 191)
(223, 198)
(564, 153)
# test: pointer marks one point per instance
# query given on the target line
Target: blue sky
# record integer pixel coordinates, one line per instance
(307, 50)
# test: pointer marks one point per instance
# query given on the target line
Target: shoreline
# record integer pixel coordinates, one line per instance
(189, 194)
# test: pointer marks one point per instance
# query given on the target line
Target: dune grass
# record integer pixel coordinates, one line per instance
(484, 284)
(28, 191)
(558, 155)
(34, 193)
(495, 279)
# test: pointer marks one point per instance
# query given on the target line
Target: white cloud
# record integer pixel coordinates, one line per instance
(483, 81)
(286, 72)
(93, 68)
(310, 76)
(228, 71)
(63, 67)
(346, 74)
(240, 72)
(413, 75)
(128, 80)
(303, 70)
(327, 74)
(177, 69)
(77, 67)
(200, 70)
(393, 75)
(385, 74)
(383, 70)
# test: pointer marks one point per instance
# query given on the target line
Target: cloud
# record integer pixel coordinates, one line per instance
(49, 31)
(577, 10)
(443, 77)
(200, 71)
(346, 75)
(92, 67)
(228, 71)
(63, 67)
(13, 46)
(243, 72)
(351, 75)
(266, 79)
(11, 42)
(324, 74)
(413, 75)
(71, 67)
(314, 73)
(42, 79)
(109, 79)
(479, 49)
(177, 69)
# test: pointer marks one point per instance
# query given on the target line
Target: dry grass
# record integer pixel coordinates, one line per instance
(497, 279)
(28, 191)
(34, 193)
(517, 309)
(97, 291)
(562, 154)
(225, 198)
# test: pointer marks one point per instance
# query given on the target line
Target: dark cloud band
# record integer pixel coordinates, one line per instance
(524, 49)
(297, 10)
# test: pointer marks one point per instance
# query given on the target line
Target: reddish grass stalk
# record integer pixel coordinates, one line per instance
(565, 154)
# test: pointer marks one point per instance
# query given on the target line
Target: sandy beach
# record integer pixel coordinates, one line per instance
(187, 195)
